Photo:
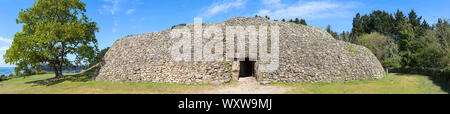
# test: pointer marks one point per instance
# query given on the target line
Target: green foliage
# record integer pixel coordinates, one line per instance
(99, 56)
(351, 48)
(345, 36)
(378, 21)
(419, 44)
(52, 29)
(179, 25)
(303, 22)
(384, 48)
(298, 21)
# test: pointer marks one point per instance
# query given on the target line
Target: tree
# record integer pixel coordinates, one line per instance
(99, 56)
(408, 45)
(303, 22)
(425, 25)
(442, 34)
(442, 29)
(384, 48)
(400, 23)
(357, 29)
(296, 21)
(345, 36)
(380, 21)
(267, 17)
(53, 29)
(283, 20)
(413, 19)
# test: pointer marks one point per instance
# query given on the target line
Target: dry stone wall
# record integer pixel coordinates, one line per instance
(307, 54)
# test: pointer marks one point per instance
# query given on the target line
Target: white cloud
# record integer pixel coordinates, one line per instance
(6, 40)
(222, 7)
(309, 10)
(112, 6)
(4, 48)
(273, 3)
(116, 24)
(130, 11)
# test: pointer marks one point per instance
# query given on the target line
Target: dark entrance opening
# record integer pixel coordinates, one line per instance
(247, 68)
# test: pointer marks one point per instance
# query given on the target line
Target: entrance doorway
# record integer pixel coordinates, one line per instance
(247, 68)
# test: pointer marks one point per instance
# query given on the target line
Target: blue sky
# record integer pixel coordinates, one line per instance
(118, 18)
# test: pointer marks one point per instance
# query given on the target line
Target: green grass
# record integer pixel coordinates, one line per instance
(31, 85)
(392, 84)
(82, 84)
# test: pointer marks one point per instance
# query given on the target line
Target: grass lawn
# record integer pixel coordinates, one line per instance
(394, 83)
(79, 84)
(31, 85)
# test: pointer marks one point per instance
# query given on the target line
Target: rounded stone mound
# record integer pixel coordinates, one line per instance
(306, 54)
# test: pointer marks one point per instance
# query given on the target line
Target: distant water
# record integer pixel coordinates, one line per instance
(6, 70)
(10, 70)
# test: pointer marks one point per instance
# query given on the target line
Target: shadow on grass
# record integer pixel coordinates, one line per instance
(85, 76)
(445, 87)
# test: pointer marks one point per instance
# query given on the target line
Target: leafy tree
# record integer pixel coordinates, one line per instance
(430, 54)
(384, 48)
(283, 20)
(52, 29)
(99, 56)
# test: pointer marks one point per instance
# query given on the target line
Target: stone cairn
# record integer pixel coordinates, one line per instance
(306, 54)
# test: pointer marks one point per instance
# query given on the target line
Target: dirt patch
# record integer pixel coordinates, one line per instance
(247, 85)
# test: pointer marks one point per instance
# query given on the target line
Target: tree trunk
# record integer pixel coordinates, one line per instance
(61, 63)
(58, 71)
(60, 75)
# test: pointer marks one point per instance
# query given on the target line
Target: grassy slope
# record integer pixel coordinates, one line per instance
(393, 83)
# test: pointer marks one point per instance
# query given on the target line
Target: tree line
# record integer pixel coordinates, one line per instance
(399, 41)
(296, 20)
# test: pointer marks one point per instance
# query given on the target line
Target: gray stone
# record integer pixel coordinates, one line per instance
(307, 54)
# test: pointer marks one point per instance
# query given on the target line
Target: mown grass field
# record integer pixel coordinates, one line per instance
(79, 84)
(394, 83)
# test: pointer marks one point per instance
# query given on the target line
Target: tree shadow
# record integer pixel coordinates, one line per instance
(87, 75)
(444, 86)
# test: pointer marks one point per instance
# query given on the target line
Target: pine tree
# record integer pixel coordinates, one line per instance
(303, 22)
(297, 21)
(334, 34)
(413, 19)
(425, 25)
(357, 29)
(400, 23)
